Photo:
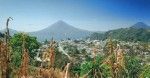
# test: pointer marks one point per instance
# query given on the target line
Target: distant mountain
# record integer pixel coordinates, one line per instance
(137, 32)
(96, 36)
(60, 30)
(11, 31)
(1, 35)
(140, 25)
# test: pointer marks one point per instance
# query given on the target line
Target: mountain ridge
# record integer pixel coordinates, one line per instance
(12, 31)
(140, 25)
(134, 33)
(60, 30)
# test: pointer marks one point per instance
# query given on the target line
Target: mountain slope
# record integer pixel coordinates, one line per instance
(140, 25)
(129, 34)
(135, 33)
(11, 31)
(1, 35)
(60, 30)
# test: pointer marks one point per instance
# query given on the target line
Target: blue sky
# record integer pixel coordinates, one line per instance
(94, 15)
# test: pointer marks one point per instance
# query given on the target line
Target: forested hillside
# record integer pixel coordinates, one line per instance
(124, 34)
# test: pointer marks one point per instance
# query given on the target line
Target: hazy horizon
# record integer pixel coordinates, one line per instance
(92, 15)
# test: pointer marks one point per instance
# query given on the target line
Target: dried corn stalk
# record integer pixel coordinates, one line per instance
(94, 54)
(49, 56)
(52, 56)
(3, 59)
(118, 63)
(66, 71)
(5, 53)
(23, 72)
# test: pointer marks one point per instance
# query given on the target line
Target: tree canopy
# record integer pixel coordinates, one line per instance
(16, 42)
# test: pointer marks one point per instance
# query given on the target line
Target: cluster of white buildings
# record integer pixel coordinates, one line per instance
(89, 46)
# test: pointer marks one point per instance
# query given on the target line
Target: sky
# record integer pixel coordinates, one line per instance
(93, 15)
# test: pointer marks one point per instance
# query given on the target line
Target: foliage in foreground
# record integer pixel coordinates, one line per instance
(93, 67)
(17, 49)
(97, 68)
(133, 66)
(145, 71)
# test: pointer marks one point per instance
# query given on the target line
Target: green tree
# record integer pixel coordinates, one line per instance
(16, 43)
(133, 66)
(95, 69)
(60, 59)
(145, 72)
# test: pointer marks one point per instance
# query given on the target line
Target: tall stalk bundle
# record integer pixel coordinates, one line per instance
(5, 52)
(49, 55)
(3, 59)
(52, 56)
(24, 64)
(115, 60)
(23, 72)
(94, 54)
(66, 71)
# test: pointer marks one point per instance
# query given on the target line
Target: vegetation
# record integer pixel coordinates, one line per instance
(60, 66)
(97, 69)
(145, 72)
(124, 34)
(16, 42)
(22, 56)
(133, 66)
(97, 36)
